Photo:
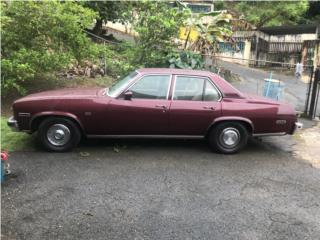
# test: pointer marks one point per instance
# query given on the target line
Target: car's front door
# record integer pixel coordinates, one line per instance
(195, 104)
(146, 113)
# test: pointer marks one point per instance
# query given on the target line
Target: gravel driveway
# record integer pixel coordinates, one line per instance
(142, 189)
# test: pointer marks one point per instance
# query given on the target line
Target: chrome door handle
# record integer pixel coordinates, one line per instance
(161, 106)
(209, 107)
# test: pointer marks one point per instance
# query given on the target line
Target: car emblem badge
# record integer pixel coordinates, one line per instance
(281, 122)
(87, 113)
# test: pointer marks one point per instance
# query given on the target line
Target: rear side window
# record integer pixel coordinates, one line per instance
(210, 92)
(195, 89)
(151, 87)
(188, 88)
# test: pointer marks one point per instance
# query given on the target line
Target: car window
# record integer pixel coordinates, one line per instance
(121, 85)
(188, 88)
(210, 92)
(151, 87)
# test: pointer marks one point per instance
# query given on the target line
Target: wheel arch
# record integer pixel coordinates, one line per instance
(38, 118)
(245, 121)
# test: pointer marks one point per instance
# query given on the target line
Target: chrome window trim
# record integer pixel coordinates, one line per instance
(195, 76)
(131, 84)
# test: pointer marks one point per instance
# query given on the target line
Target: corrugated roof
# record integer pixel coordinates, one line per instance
(297, 29)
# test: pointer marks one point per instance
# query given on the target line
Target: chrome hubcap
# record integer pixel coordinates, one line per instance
(58, 134)
(230, 137)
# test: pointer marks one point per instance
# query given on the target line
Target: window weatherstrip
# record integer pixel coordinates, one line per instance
(169, 87)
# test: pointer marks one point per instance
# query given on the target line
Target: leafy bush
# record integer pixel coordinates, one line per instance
(186, 59)
(120, 59)
(157, 25)
(41, 37)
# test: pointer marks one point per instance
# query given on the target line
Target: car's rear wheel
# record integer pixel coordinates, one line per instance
(228, 137)
(58, 134)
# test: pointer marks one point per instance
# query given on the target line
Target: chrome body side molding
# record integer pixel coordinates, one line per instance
(268, 134)
(149, 136)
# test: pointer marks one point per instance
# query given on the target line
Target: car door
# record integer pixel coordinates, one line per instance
(146, 113)
(195, 104)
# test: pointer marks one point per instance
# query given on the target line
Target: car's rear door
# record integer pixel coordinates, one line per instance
(146, 113)
(195, 104)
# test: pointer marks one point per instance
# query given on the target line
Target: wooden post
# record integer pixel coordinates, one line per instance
(304, 53)
(247, 51)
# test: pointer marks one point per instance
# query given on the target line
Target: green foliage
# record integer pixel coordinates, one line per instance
(211, 33)
(120, 59)
(115, 11)
(157, 25)
(312, 15)
(186, 59)
(269, 13)
(109, 10)
(41, 37)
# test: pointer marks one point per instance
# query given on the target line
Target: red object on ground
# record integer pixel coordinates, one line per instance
(4, 156)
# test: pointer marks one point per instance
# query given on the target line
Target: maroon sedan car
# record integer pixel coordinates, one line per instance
(153, 103)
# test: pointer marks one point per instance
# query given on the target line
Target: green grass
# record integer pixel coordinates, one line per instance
(14, 141)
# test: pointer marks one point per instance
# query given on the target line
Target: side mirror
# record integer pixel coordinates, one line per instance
(128, 95)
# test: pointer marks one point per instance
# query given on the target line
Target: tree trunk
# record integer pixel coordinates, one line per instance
(97, 30)
(187, 39)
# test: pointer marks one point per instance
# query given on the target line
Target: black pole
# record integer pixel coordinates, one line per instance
(257, 51)
(308, 92)
(314, 93)
(317, 98)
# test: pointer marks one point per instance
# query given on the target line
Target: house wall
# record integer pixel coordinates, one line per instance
(278, 48)
(293, 37)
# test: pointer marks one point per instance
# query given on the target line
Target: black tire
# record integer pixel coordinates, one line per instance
(232, 144)
(71, 134)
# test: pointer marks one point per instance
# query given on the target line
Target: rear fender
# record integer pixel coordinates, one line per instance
(232, 118)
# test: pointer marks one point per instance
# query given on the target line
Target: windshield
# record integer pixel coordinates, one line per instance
(118, 87)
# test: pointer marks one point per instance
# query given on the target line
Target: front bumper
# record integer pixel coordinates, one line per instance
(13, 124)
(297, 126)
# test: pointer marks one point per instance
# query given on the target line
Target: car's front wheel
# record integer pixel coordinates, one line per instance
(228, 137)
(58, 134)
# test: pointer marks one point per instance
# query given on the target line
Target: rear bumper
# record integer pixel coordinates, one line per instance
(13, 124)
(297, 126)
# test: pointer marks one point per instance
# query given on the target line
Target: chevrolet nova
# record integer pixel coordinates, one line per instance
(153, 103)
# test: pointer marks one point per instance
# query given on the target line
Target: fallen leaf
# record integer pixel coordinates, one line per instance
(116, 149)
(84, 154)
(88, 214)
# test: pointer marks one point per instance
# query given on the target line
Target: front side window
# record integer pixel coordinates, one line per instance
(121, 85)
(151, 87)
(194, 89)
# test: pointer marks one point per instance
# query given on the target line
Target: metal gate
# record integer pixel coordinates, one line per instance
(313, 95)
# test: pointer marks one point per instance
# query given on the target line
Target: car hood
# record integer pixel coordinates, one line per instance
(64, 93)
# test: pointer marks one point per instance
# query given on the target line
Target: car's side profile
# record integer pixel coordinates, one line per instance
(153, 103)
